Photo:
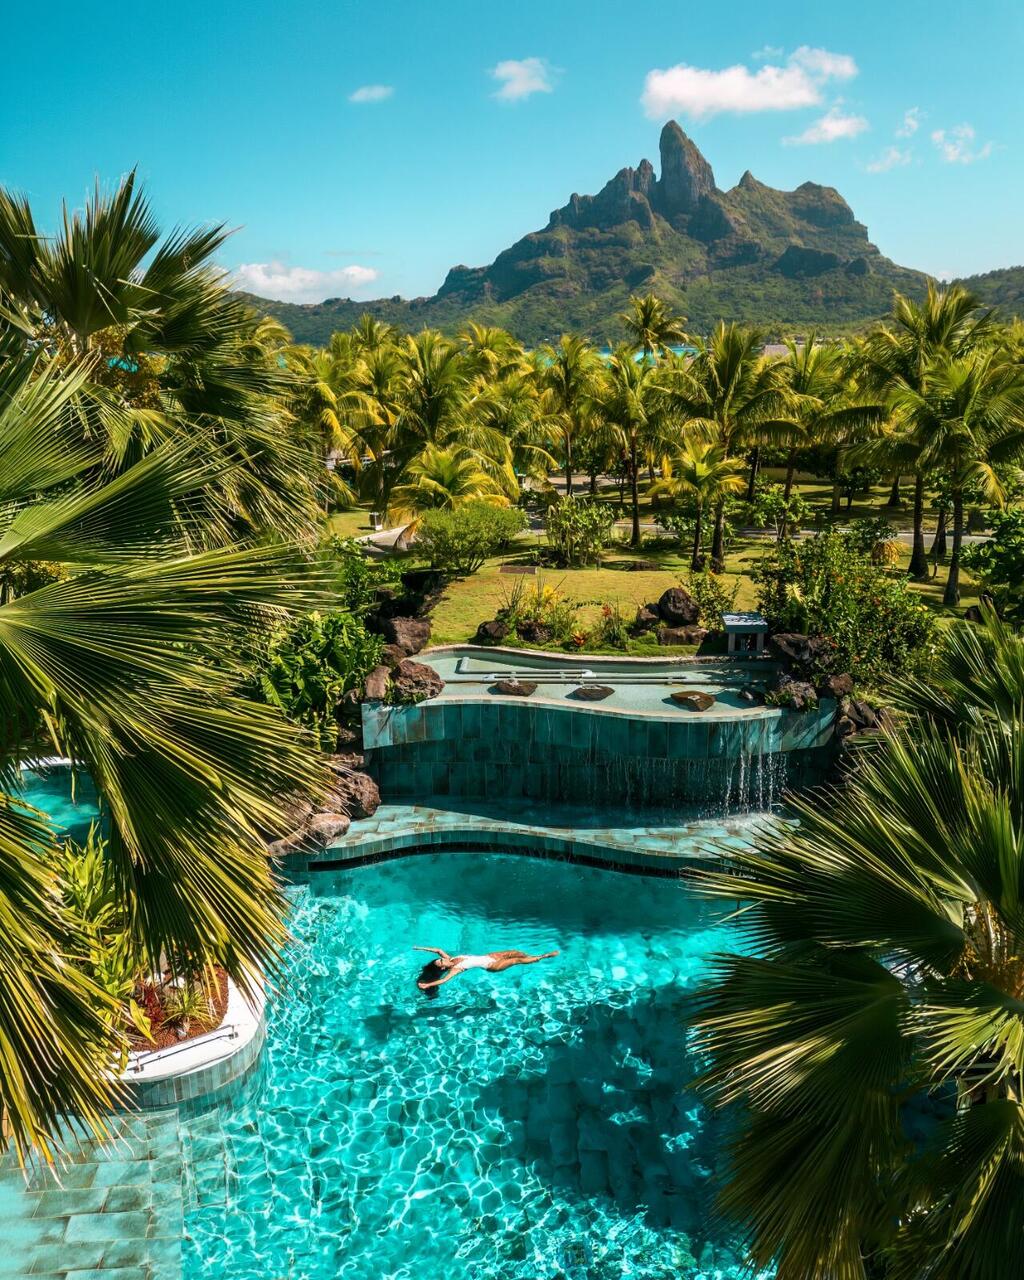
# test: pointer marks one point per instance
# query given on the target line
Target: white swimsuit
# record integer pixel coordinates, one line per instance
(475, 962)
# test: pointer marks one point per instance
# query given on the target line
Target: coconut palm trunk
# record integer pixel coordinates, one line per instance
(698, 529)
(755, 467)
(790, 474)
(634, 494)
(718, 540)
(918, 555)
(895, 497)
(940, 548)
(568, 465)
(951, 595)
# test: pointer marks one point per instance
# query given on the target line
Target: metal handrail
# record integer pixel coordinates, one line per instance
(141, 1060)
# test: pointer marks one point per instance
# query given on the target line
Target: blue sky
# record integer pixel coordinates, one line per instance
(474, 121)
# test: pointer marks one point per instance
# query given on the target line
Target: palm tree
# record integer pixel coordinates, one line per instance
(122, 656)
(443, 479)
(966, 418)
(894, 358)
(635, 406)
(174, 352)
(734, 395)
(883, 976)
(703, 474)
(569, 375)
(651, 326)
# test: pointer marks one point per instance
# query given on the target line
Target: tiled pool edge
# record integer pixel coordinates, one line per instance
(399, 830)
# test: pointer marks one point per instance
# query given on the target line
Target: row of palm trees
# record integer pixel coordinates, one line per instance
(936, 393)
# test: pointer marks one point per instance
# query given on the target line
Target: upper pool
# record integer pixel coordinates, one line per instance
(521, 1126)
(641, 686)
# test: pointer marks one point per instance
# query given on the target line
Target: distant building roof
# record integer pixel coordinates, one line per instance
(736, 622)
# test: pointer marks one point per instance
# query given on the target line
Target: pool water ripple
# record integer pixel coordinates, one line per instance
(521, 1126)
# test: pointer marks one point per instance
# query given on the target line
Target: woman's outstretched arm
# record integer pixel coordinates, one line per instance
(437, 951)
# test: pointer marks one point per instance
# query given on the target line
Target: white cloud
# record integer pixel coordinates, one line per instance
(831, 127)
(701, 93)
(521, 77)
(911, 123)
(299, 284)
(767, 51)
(891, 158)
(371, 93)
(956, 145)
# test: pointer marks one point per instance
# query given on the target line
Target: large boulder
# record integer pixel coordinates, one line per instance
(681, 635)
(534, 632)
(414, 682)
(863, 714)
(800, 695)
(354, 794)
(840, 686)
(493, 632)
(678, 608)
(647, 618)
(325, 827)
(408, 634)
(797, 647)
(376, 687)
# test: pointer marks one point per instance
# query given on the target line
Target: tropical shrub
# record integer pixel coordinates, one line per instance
(772, 507)
(872, 622)
(715, 594)
(999, 562)
(871, 1030)
(460, 540)
(357, 578)
(577, 530)
(306, 667)
(540, 604)
(613, 629)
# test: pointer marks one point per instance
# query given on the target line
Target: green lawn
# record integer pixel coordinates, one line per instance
(350, 524)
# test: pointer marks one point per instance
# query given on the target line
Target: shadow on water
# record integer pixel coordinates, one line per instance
(610, 1115)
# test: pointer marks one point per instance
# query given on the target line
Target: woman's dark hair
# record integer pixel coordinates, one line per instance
(429, 973)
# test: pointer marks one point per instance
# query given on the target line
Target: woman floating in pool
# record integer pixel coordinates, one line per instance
(495, 961)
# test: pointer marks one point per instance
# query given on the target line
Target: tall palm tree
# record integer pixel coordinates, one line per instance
(652, 326)
(895, 357)
(883, 978)
(125, 660)
(735, 396)
(966, 417)
(173, 351)
(569, 375)
(703, 474)
(635, 406)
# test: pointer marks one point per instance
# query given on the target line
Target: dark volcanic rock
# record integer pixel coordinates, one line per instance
(392, 654)
(836, 686)
(354, 794)
(798, 694)
(409, 634)
(693, 699)
(863, 714)
(797, 647)
(534, 632)
(592, 692)
(325, 827)
(681, 635)
(641, 566)
(515, 688)
(493, 632)
(678, 608)
(415, 682)
(647, 618)
(686, 177)
(376, 688)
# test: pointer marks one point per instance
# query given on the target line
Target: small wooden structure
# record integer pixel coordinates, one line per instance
(745, 631)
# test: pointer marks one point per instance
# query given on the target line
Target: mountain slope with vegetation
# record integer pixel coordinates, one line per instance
(788, 260)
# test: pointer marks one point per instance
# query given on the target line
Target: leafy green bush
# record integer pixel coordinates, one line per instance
(613, 630)
(999, 562)
(577, 530)
(459, 541)
(541, 604)
(872, 622)
(713, 594)
(772, 507)
(307, 667)
(357, 577)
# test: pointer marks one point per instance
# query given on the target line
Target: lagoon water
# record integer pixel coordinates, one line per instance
(519, 1126)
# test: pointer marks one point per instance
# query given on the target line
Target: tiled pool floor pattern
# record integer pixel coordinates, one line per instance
(639, 841)
(116, 1212)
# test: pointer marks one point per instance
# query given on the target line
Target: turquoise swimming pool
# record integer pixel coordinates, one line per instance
(526, 1125)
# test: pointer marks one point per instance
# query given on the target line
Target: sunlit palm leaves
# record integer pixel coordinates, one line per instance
(126, 663)
(884, 979)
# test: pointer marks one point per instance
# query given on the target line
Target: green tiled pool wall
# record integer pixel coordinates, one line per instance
(504, 749)
(113, 1212)
(206, 1084)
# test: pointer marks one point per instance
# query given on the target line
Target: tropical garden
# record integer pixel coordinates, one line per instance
(184, 609)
